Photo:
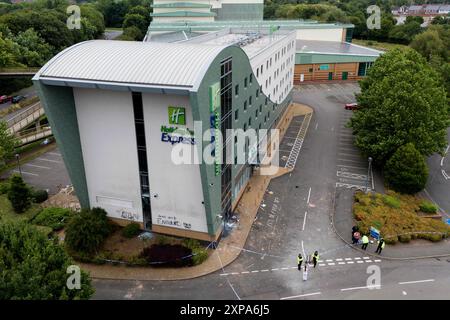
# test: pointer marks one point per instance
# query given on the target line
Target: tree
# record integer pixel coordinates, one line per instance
(402, 100)
(136, 20)
(34, 51)
(8, 142)
(131, 34)
(406, 171)
(429, 44)
(404, 33)
(34, 268)
(19, 194)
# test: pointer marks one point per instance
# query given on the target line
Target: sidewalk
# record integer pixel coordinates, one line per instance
(417, 249)
(229, 247)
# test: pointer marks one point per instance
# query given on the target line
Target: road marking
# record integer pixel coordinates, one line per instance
(357, 258)
(255, 271)
(284, 268)
(331, 263)
(377, 260)
(359, 161)
(309, 195)
(348, 259)
(235, 273)
(365, 258)
(445, 174)
(329, 260)
(43, 159)
(223, 274)
(357, 288)
(33, 165)
(347, 166)
(304, 221)
(368, 261)
(341, 262)
(265, 270)
(301, 295)
(359, 261)
(55, 153)
(322, 264)
(339, 259)
(24, 172)
(418, 281)
(275, 269)
(350, 262)
(245, 272)
(317, 125)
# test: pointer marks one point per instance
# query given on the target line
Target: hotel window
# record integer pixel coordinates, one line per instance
(260, 108)
(245, 105)
(245, 83)
(257, 93)
(257, 72)
(251, 78)
(236, 90)
(250, 121)
(236, 114)
(262, 69)
(250, 101)
(256, 112)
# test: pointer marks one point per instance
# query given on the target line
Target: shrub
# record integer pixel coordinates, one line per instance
(162, 240)
(191, 243)
(39, 196)
(404, 238)
(34, 267)
(199, 255)
(131, 230)
(19, 194)
(167, 255)
(4, 187)
(406, 171)
(428, 207)
(87, 230)
(54, 218)
(391, 201)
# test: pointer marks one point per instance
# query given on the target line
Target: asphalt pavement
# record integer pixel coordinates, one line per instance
(295, 217)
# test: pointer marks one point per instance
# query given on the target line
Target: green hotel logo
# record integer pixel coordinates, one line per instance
(177, 115)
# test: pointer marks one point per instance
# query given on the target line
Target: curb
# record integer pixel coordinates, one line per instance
(372, 254)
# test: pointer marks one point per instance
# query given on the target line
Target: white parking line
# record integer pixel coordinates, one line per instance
(331, 263)
(265, 270)
(358, 288)
(418, 281)
(301, 295)
(55, 153)
(309, 195)
(43, 159)
(24, 172)
(359, 261)
(350, 262)
(35, 166)
(304, 221)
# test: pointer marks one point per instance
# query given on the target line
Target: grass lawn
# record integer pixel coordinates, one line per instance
(383, 46)
(7, 213)
(398, 217)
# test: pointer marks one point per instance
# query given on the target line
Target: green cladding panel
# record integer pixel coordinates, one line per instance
(60, 109)
(309, 58)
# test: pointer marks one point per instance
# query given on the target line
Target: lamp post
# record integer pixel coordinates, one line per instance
(368, 173)
(18, 163)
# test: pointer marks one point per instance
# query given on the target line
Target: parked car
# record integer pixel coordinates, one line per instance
(17, 99)
(351, 106)
(4, 99)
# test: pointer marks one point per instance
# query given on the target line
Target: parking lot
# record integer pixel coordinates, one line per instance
(46, 172)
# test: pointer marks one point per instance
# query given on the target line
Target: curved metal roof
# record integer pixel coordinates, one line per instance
(149, 64)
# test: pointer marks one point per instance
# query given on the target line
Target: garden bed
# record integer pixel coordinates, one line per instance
(398, 217)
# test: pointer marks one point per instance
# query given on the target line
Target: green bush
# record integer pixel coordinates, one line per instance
(4, 187)
(19, 194)
(131, 230)
(391, 201)
(406, 171)
(39, 196)
(428, 207)
(34, 267)
(162, 240)
(200, 255)
(87, 230)
(404, 238)
(55, 218)
(191, 243)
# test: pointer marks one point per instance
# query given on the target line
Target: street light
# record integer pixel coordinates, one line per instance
(368, 173)
(18, 163)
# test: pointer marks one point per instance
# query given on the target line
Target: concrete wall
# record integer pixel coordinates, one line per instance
(176, 189)
(108, 140)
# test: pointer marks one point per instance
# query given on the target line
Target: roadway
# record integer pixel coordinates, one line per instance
(295, 218)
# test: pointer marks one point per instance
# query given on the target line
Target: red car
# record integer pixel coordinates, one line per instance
(351, 106)
(4, 99)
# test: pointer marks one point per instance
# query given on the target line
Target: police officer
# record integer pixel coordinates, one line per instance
(365, 242)
(315, 258)
(299, 261)
(380, 247)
